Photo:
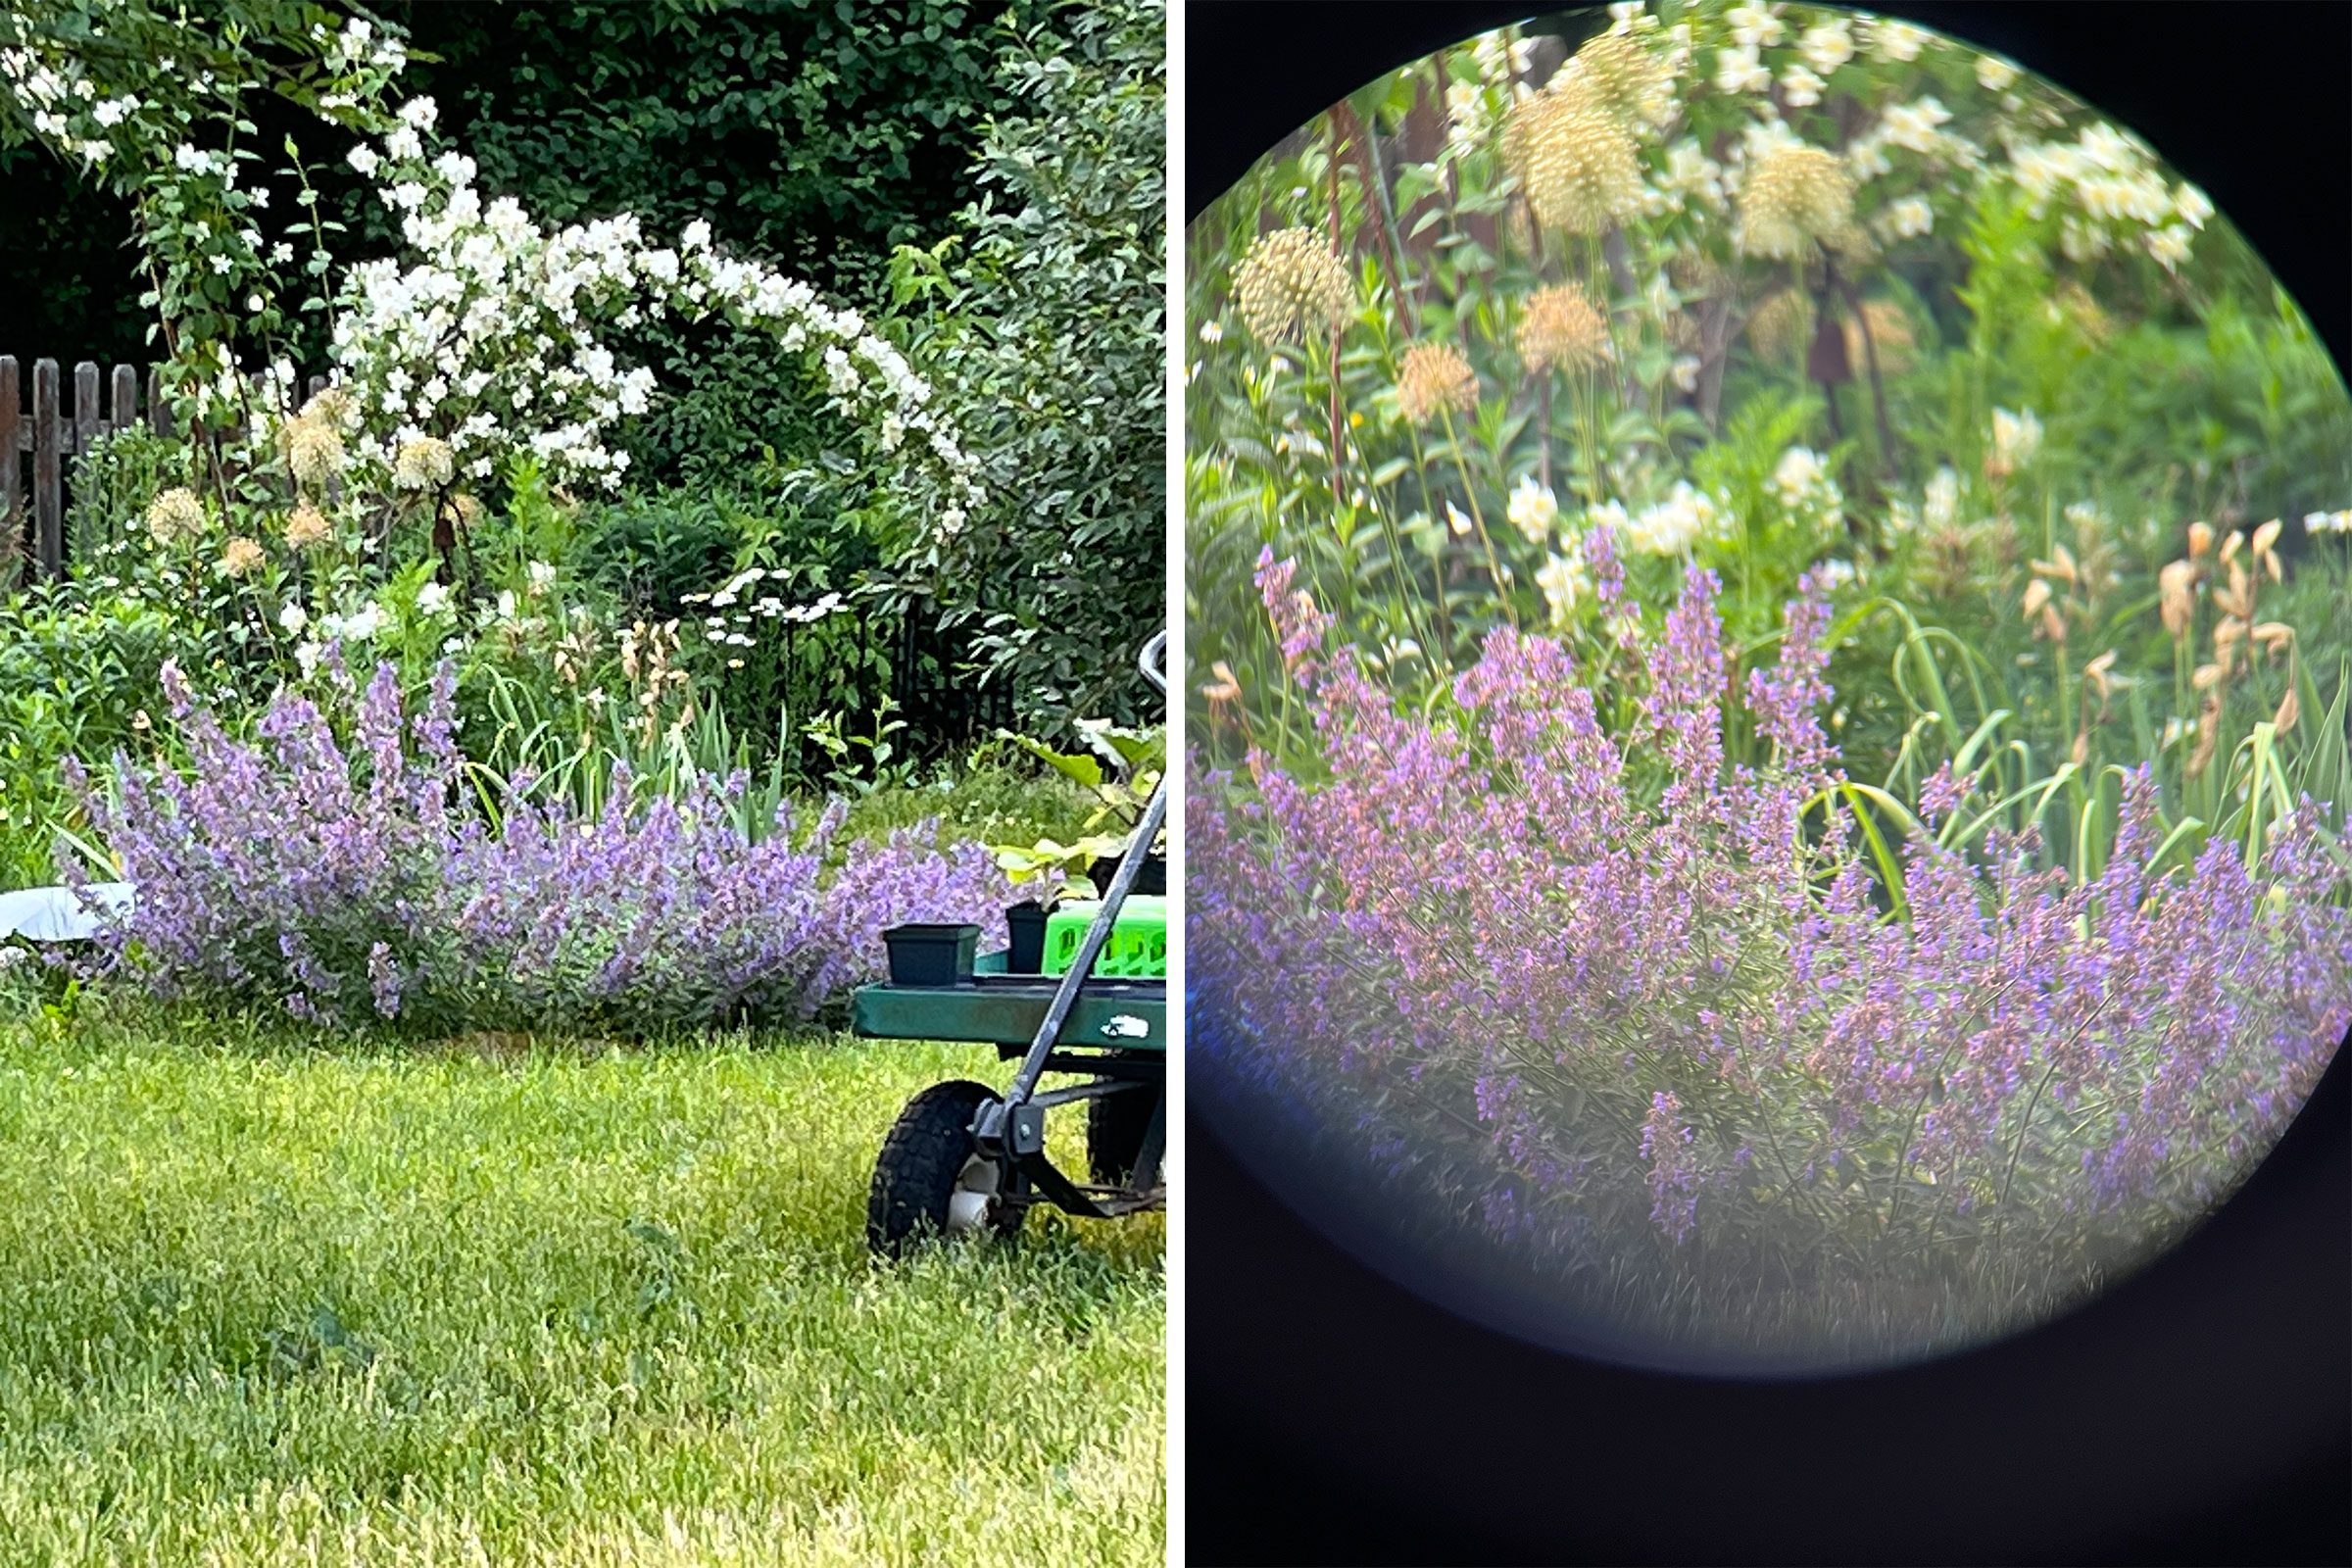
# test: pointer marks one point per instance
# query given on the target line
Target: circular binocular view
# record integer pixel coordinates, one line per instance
(1771, 602)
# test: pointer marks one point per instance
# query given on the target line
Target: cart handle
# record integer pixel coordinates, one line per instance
(1154, 661)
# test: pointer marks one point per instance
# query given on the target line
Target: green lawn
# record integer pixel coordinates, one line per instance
(262, 1302)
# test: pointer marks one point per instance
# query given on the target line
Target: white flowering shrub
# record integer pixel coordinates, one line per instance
(479, 348)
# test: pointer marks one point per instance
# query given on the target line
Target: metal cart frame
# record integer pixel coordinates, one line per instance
(962, 1157)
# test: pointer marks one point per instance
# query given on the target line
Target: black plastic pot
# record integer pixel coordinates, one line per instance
(924, 954)
(1026, 953)
(1151, 877)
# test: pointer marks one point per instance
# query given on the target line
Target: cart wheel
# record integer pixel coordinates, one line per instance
(1115, 1125)
(931, 1182)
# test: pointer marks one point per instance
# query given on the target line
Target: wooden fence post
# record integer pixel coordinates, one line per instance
(48, 473)
(124, 411)
(36, 436)
(11, 470)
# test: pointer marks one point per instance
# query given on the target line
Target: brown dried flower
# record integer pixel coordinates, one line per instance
(1782, 327)
(1434, 376)
(1890, 334)
(2176, 604)
(241, 556)
(307, 527)
(1562, 329)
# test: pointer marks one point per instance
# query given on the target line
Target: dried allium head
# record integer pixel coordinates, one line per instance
(313, 450)
(308, 526)
(241, 556)
(1562, 329)
(2076, 304)
(1890, 335)
(1434, 376)
(422, 463)
(1948, 562)
(1696, 275)
(1794, 196)
(174, 514)
(1623, 77)
(1782, 327)
(1518, 229)
(333, 406)
(1290, 284)
(1574, 159)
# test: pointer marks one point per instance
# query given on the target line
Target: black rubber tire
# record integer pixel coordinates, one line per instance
(1115, 1125)
(921, 1161)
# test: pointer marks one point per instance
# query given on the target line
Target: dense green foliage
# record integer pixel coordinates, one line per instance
(1053, 325)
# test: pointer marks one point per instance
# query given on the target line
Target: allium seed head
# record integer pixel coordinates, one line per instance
(331, 407)
(1623, 78)
(1794, 196)
(313, 450)
(1434, 376)
(1290, 285)
(174, 514)
(422, 463)
(241, 556)
(1562, 329)
(1574, 158)
(1782, 327)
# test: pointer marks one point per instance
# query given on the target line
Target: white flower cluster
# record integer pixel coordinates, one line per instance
(2114, 192)
(484, 342)
(1565, 584)
(2016, 438)
(735, 613)
(1533, 508)
(1474, 110)
(1801, 482)
(1894, 42)
(1905, 217)
(1672, 526)
(1689, 173)
(1940, 504)
(65, 105)
(2329, 521)
(1916, 128)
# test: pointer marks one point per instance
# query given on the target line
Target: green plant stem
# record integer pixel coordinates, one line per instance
(1478, 518)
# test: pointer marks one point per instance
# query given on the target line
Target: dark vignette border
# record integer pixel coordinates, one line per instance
(2201, 1412)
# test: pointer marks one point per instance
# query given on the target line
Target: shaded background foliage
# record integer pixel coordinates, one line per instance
(1055, 335)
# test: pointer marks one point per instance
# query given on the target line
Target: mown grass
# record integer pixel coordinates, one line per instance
(532, 1302)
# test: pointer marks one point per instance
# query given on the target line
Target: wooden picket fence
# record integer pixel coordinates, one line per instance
(38, 434)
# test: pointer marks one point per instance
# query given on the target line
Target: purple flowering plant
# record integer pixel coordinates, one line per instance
(342, 864)
(1596, 989)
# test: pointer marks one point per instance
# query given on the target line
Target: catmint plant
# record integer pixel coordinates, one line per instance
(1597, 974)
(340, 866)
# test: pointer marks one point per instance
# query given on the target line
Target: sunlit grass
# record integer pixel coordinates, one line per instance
(536, 1302)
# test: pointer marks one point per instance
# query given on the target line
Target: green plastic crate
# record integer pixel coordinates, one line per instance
(1137, 945)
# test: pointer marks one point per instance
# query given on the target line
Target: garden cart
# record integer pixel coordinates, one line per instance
(963, 1159)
